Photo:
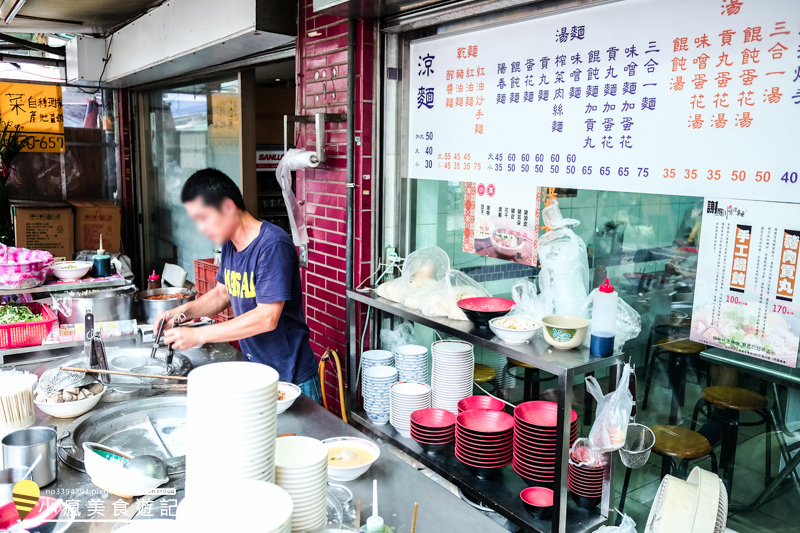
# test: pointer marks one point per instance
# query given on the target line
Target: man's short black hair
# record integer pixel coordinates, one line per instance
(213, 187)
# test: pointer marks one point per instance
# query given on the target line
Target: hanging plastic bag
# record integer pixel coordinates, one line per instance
(583, 453)
(626, 526)
(564, 275)
(628, 324)
(528, 302)
(613, 413)
(424, 268)
(401, 335)
(294, 160)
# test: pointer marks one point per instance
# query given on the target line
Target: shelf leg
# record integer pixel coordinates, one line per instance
(562, 452)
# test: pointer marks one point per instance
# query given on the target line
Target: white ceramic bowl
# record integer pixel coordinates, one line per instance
(349, 473)
(68, 270)
(291, 392)
(112, 476)
(514, 336)
(70, 409)
(564, 332)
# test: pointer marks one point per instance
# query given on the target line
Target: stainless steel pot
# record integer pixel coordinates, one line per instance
(8, 478)
(149, 309)
(107, 305)
(22, 447)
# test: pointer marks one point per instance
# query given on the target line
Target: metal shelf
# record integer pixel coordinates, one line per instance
(500, 493)
(62, 287)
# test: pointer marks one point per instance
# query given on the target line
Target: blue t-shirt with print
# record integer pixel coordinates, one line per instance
(268, 271)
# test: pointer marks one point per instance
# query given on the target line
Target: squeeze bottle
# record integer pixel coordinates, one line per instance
(604, 320)
(101, 262)
(153, 281)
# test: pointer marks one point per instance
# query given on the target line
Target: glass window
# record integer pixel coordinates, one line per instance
(190, 128)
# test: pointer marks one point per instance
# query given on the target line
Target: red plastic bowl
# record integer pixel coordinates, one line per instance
(486, 304)
(586, 493)
(545, 477)
(483, 422)
(425, 440)
(482, 440)
(437, 433)
(532, 434)
(432, 419)
(481, 464)
(9, 515)
(471, 448)
(505, 456)
(480, 402)
(540, 414)
(537, 496)
(533, 469)
(535, 457)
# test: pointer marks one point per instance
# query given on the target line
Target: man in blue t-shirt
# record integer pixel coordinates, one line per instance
(259, 277)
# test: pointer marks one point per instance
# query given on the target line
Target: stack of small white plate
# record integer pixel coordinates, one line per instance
(372, 358)
(405, 399)
(453, 372)
(257, 502)
(231, 410)
(377, 381)
(411, 362)
(301, 469)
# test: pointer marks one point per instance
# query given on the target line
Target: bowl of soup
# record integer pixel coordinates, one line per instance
(350, 457)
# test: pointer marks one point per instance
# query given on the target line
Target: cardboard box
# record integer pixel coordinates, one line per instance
(93, 219)
(45, 226)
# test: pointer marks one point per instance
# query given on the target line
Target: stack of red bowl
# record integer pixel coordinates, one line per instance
(484, 440)
(480, 402)
(585, 484)
(433, 429)
(535, 441)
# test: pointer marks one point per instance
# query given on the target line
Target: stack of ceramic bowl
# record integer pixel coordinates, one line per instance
(301, 469)
(257, 502)
(535, 440)
(236, 401)
(585, 484)
(433, 429)
(480, 402)
(412, 363)
(377, 382)
(405, 398)
(372, 358)
(453, 371)
(484, 440)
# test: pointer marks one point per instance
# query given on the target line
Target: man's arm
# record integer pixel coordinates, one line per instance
(262, 319)
(209, 304)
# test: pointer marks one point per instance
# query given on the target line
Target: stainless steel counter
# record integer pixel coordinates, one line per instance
(399, 484)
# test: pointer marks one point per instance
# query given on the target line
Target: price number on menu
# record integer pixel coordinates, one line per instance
(43, 142)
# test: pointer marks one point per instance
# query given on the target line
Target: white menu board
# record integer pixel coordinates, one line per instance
(689, 97)
(746, 291)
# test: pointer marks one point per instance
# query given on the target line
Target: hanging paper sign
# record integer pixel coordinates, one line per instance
(746, 294)
(501, 221)
(38, 110)
(686, 97)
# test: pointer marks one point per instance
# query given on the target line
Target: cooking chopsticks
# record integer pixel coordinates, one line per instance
(121, 373)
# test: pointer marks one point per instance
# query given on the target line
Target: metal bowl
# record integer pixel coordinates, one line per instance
(149, 309)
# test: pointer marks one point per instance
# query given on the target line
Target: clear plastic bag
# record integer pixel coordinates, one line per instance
(424, 268)
(460, 285)
(583, 453)
(564, 275)
(401, 335)
(613, 413)
(529, 303)
(626, 526)
(418, 299)
(394, 290)
(628, 323)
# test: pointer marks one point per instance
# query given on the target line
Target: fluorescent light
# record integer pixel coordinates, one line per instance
(9, 9)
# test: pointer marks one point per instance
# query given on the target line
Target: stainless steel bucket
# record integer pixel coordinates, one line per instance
(8, 478)
(149, 309)
(22, 447)
(107, 305)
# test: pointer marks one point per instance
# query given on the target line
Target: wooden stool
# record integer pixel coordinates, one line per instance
(677, 443)
(676, 351)
(483, 374)
(732, 401)
(530, 379)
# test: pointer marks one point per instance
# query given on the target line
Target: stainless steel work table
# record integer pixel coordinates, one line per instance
(501, 494)
(399, 484)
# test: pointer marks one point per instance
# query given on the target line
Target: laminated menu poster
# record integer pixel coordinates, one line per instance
(502, 221)
(746, 294)
(633, 96)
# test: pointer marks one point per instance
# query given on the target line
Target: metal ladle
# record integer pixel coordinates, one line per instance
(148, 465)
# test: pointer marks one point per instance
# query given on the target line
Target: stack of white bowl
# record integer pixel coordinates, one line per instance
(256, 502)
(411, 362)
(301, 469)
(453, 372)
(405, 399)
(231, 421)
(372, 358)
(377, 381)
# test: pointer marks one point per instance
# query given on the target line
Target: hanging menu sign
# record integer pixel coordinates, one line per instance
(746, 292)
(501, 221)
(690, 97)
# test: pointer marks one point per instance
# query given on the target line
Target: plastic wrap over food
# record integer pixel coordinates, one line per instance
(394, 290)
(402, 335)
(628, 324)
(564, 275)
(584, 454)
(424, 267)
(21, 268)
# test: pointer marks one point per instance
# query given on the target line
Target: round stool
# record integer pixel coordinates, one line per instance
(676, 351)
(730, 401)
(484, 374)
(530, 379)
(677, 443)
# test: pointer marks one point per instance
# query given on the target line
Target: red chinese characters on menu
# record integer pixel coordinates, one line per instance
(741, 255)
(788, 265)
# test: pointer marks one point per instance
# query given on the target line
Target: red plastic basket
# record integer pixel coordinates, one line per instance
(28, 333)
(205, 279)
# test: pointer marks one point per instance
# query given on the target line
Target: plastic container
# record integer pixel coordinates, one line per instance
(101, 262)
(153, 281)
(28, 333)
(604, 320)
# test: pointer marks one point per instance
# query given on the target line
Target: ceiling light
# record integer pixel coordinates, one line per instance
(9, 9)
